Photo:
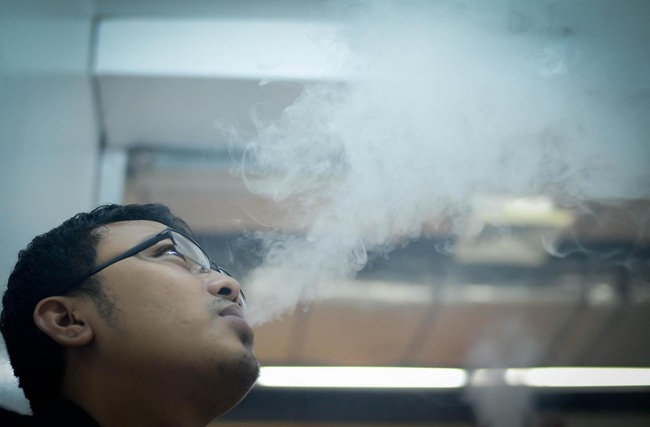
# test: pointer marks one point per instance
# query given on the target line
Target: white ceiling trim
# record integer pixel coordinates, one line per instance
(222, 48)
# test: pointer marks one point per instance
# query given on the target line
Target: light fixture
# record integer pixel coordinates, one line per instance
(579, 377)
(450, 378)
(361, 377)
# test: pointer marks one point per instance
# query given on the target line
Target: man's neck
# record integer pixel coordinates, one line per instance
(121, 400)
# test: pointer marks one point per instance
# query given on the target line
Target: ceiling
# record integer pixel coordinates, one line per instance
(169, 96)
(446, 299)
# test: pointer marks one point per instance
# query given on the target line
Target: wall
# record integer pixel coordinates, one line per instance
(48, 135)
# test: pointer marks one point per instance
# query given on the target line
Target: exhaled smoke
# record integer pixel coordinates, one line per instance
(445, 101)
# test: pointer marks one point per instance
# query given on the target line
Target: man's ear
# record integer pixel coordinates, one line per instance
(57, 317)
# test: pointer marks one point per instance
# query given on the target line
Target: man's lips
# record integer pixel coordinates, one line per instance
(232, 310)
(238, 321)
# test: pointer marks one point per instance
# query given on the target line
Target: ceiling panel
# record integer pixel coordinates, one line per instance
(460, 335)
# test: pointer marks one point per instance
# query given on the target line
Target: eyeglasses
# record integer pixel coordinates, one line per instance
(194, 256)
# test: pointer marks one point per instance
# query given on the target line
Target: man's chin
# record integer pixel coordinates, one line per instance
(247, 370)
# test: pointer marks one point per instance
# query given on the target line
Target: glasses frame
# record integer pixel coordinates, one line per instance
(167, 233)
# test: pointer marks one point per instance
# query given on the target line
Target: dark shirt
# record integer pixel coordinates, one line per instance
(59, 414)
(10, 419)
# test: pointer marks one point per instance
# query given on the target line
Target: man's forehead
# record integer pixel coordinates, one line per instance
(128, 232)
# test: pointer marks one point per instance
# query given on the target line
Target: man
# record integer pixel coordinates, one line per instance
(118, 318)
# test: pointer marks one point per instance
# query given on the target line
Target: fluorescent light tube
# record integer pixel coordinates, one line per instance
(578, 377)
(361, 377)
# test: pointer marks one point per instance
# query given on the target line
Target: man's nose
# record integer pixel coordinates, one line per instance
(221, 285)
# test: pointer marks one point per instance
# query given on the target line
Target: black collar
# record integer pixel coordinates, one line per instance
(63, 413)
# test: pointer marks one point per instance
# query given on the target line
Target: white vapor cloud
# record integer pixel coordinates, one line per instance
(447, 100)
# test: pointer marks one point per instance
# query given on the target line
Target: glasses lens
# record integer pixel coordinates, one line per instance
(196, 259)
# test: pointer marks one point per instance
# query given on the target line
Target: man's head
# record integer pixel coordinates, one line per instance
(151, 313)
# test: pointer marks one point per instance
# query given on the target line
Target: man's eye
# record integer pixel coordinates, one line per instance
(168, 250)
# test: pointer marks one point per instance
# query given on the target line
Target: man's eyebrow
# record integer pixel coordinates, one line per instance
(141, 241)
(147, 238)
(154, 236)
